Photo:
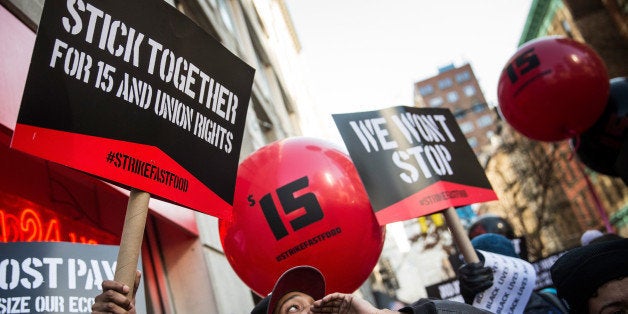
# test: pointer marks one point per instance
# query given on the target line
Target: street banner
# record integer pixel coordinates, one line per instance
(136, 93)
(56, 277)
(513, 282)
(413, 161)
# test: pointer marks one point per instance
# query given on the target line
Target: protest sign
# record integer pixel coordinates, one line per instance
(514, 280)
(413, 161)
(56, 277)
(445, 290)
(149, 101)
(450, 289)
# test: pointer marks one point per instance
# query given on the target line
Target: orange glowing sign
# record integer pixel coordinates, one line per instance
(22, 223)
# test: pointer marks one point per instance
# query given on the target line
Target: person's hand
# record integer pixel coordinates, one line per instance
(344, 304)
(116, 298)
(474, 278)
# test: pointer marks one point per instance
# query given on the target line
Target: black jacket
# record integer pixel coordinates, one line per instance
(432, 306)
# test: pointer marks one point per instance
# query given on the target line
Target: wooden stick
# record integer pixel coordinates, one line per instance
(460, 236)
(132, 235)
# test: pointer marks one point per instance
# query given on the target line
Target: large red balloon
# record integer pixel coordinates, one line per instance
(553, 88)
(300, 201)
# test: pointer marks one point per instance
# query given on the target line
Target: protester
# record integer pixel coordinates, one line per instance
(494, 243)
(301, 290)
(114, 298)
(294, 292)
(475, 278)
(491, 223)
(594, 278)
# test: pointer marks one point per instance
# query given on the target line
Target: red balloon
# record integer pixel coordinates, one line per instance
(553, 88)
(300, 201)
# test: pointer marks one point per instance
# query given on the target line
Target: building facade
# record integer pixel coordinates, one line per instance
(603, 25)
(558, 198)
(184, 267)
(458, 89)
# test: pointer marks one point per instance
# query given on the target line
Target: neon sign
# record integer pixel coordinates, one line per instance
(24, 221)
(29, 226)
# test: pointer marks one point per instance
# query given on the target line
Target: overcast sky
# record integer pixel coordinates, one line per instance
(366, 54)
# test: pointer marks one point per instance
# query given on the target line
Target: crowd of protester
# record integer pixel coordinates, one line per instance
(592, 278)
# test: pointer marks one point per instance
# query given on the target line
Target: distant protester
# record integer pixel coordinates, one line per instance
(494, 243)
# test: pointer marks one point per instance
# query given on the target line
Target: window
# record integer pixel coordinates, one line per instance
(484, 120)
(473, 142)
(225, 14)
(445, 83)
(469, 90)
(466, 127)
(478, 107)
(264, 122)
(426, 90)
(463, 76)
(452, 97)
(460, 113)
(436, 101)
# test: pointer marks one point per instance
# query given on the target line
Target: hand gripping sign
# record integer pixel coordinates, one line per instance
(513, 283)
(148, 101)
(414, 162)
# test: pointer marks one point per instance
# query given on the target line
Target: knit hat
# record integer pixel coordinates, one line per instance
(580, 272)
(305, 279)
(590, 235)
(494, 243)
(606, 237)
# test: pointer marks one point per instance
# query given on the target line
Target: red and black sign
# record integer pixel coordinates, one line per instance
(413, 161)
(148, 100)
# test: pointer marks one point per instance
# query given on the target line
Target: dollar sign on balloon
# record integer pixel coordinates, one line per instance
(300, 201)
(553, 88)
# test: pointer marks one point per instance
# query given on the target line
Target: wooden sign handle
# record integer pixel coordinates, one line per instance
(132, 235)
(460, 236)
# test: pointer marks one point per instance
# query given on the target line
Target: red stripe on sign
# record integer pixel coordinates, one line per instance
(436, 197)
(140, 166)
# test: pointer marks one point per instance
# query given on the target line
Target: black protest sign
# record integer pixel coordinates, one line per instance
(445, 290)
(413, 161)
(136, 93)
(56, 277)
